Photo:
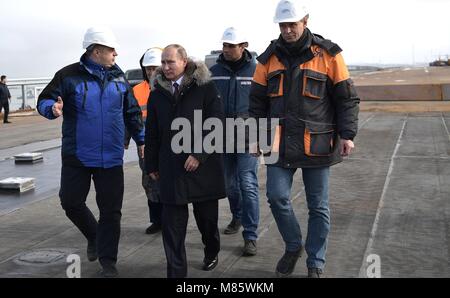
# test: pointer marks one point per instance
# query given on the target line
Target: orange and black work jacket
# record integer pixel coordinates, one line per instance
(141, 92)
(312, 94)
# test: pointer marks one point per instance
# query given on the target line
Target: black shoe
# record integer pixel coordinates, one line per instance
(209, 265)
(153, 229)
(314, 272)
(6, 121)
(109, 271)
(286, 264)
(233, 227)
(92, 251)
(249, 248)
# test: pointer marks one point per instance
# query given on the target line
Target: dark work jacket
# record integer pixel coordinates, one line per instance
(197, 92)
(313, 96)
(234, 86)
(4, 93)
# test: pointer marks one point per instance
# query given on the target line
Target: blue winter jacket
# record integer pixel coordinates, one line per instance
(98, 104)
(234, 87)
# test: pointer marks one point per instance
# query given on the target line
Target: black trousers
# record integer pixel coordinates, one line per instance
(5, 106)
(174, 225)
(109, 186)
(151, 188)
(155, 210)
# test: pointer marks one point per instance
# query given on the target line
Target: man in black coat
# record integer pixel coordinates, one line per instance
(181, 90)
(5, 97)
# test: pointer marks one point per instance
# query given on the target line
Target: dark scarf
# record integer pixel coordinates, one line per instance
(236, 65)
(296, 49)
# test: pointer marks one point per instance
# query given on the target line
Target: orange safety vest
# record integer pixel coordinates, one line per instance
(142, 92)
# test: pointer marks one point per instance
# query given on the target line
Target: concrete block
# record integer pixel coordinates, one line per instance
(28, 157)
(21, 184)
(445, 91)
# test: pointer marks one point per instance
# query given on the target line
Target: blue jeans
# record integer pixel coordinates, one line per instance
(279, 183)
(242, 191)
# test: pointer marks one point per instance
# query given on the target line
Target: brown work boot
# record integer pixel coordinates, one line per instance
(249, 248)
(233, 227)
(286, 264)
(314, 272)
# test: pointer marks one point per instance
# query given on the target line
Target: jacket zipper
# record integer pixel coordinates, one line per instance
(120, 92)
(85, 94)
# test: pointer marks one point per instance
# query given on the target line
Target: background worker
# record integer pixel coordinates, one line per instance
(149, 62)
(233, 75)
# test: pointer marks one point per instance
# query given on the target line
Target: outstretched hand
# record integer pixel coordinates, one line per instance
(57, 107)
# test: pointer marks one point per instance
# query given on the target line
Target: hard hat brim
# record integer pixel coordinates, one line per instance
(233, 41)
(113, 45)
(288, 20)
(150, 64)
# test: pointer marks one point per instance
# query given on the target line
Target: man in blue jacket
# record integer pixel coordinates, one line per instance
(233, 75)
(97, 104)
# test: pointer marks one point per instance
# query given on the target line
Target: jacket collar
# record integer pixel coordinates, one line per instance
(314, 39)
(98, 70)
(246, 61)
(297, 48)
(196, 72)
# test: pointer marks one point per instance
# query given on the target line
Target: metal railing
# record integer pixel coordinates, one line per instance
(25, 92)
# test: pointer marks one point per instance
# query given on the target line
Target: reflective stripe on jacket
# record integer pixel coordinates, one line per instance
(234, 87)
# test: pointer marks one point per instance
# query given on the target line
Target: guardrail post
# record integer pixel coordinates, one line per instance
(23, 97)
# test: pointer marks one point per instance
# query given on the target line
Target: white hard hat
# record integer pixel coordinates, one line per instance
(152, 57)
(233, 36)
(99, 35)
(289, 11)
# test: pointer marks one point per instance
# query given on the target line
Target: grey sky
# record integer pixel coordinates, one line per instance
(40, 37)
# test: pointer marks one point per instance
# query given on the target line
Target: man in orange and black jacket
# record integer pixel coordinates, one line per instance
(302, 80)
(149, 62)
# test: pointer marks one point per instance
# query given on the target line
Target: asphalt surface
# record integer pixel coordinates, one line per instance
(403, 76)
(389, 204)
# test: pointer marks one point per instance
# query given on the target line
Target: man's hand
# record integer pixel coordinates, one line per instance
(57, 107)
(346, 147)
(141, 151)
(254, 149)
(191, 164)
(126, 146)
(154, 176)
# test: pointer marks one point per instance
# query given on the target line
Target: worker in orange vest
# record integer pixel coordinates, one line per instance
(149, 62)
